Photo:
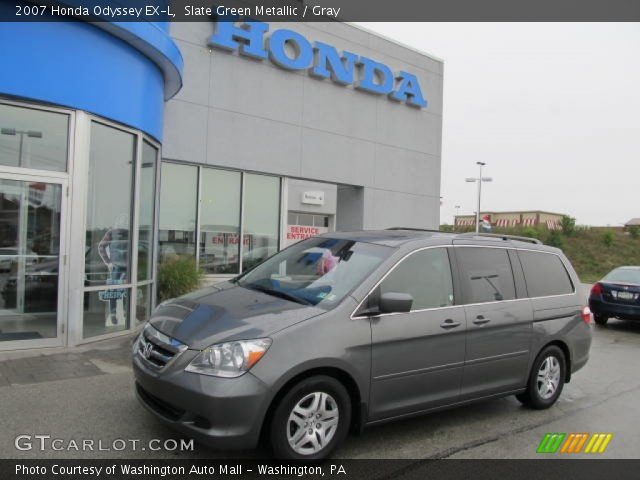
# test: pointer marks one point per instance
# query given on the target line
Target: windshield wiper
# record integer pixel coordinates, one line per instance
(278, 293)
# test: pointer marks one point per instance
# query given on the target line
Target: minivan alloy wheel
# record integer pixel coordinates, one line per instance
(312, 423)
(548, 377)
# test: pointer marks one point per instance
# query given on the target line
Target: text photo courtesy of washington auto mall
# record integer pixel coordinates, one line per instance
(319, 238)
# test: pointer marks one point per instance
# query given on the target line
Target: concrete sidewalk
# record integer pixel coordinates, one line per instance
(100, 358)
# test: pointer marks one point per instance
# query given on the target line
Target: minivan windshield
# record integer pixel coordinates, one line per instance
(318, 271)
(624, 275)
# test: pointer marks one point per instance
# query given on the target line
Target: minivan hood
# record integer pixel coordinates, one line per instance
(227, 312)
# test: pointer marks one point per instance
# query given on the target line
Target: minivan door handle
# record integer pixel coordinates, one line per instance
(480, 320)
(449, 323)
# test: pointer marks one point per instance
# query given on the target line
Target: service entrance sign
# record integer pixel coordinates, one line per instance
(295, 233)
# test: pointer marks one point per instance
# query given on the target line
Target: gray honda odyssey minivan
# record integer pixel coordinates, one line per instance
(346, 330)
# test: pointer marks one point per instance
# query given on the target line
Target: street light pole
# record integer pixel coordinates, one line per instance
(481, 164)
(480, 179)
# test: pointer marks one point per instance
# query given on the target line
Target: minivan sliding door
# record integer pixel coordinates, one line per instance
(499, 324)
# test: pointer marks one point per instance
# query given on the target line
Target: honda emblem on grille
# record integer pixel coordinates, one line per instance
(146, 350)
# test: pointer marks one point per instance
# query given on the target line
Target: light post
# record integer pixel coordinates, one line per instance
(479, 180)
(22, 133)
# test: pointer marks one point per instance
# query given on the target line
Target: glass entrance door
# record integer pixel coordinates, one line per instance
(30, 262)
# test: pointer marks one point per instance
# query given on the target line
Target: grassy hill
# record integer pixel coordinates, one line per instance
(592, 251)
(593, 258)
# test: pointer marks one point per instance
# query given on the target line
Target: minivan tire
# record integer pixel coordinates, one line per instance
(532, 398)
(333, 393)
(600, 319)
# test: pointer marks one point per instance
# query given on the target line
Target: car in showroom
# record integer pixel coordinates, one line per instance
(347, 330)
(616, 295)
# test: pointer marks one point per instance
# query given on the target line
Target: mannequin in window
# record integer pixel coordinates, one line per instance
(114, 252)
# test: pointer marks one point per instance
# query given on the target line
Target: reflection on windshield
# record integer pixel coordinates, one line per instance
(318, 271)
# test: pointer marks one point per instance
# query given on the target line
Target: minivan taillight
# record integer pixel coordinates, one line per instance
(586, 315)
(596, 289)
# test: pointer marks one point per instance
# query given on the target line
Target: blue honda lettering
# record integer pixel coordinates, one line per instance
(372, 70)
(408, 91)
(292, 51)
(329, 64)
(303, 53)
(253, 32)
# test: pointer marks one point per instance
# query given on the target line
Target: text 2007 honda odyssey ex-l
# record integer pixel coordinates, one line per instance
(347, 330)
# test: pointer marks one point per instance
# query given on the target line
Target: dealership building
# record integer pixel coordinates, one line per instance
(526, 218)
(126, 145)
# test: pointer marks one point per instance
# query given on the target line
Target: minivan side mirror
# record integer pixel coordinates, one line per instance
(392, 302)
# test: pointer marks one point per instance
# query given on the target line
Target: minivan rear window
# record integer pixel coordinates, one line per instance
(486, 274)
(545, 274)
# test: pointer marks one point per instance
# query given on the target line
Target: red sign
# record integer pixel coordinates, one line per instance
(299, 232)
(296, 233)
(229, 239)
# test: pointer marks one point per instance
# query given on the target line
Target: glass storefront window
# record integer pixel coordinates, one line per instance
(106, 311)
(39, 263)
(109, 202)
(32, 138)
(305, 219)
(29, 259)
(113, 162)
(261, 218)
(220, 221)
(146, 212)
(178, 208)
(143, 303)
(217, 196)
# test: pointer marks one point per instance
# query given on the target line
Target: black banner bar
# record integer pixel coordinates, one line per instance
(582, 469)
(321, 10)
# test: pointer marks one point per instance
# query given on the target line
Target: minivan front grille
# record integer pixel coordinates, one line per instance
(157, 349)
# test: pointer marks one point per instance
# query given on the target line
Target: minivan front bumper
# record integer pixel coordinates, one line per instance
(223, 413)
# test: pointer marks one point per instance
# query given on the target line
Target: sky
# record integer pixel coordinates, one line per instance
(552, 108)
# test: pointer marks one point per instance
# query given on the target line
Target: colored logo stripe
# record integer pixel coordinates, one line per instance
(574, 443)
(598, 443)
(550, 443)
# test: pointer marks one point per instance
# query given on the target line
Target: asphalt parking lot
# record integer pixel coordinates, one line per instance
(89, 395)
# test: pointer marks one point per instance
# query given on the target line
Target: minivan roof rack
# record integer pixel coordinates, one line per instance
(502, 236)
(412, 229)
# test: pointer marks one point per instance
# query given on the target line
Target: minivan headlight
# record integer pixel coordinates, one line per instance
(230, 359)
